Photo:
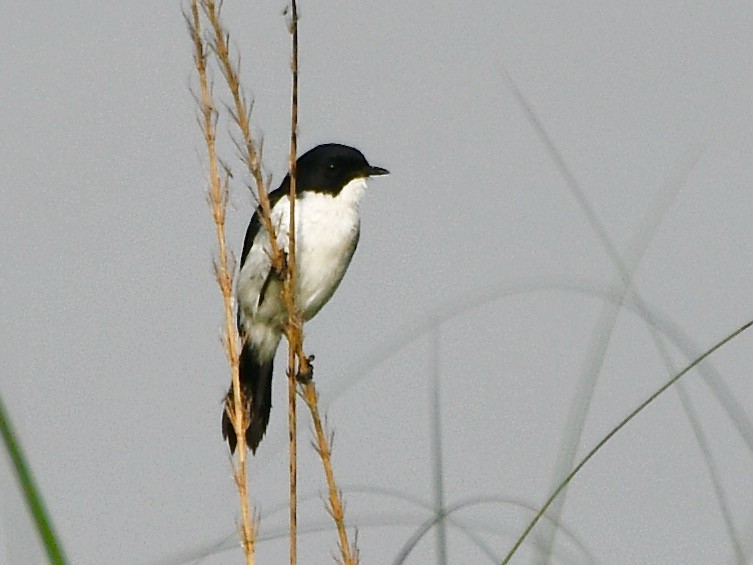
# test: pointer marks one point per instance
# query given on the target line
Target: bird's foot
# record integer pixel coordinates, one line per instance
(306, 371)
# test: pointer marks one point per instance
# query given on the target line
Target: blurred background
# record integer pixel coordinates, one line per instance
(566, 225)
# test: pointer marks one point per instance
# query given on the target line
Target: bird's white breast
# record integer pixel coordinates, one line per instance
(327, 229)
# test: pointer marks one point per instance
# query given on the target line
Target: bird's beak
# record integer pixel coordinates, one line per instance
(376, 171)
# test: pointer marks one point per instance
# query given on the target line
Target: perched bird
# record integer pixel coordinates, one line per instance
(330, 181)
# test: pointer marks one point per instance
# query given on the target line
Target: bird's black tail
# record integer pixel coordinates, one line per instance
(256, 395)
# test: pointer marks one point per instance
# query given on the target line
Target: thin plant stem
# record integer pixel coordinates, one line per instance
(447, 515)
(626, 270)
(30, 490)
(218, 196)
(616, 429)
(603, 330)
(437, 453)
(294, 323)
(285, 265)
(293, 464)
(294, 332)
(241, 114)
(323, 446)
(294, 328)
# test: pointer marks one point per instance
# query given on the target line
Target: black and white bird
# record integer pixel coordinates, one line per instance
(330, 182)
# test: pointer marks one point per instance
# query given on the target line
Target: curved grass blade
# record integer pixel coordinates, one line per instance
(616, 429)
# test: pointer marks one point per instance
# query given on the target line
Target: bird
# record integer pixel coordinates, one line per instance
(330, 183)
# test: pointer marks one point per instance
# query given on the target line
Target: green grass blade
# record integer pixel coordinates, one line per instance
(616, 429)
(30, 491)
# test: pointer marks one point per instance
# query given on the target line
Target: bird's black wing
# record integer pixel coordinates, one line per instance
(253, 229)
(255, 225)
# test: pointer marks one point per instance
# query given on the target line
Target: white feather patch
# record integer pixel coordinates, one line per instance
(327, 229)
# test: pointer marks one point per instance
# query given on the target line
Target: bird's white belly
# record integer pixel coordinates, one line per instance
(323, 252)
(327, 230)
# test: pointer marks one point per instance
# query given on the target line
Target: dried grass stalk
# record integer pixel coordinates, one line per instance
(218, 195)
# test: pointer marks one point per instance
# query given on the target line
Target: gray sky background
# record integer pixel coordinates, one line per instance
(112, 367)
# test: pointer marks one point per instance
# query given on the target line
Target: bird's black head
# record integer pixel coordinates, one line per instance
(329, 167)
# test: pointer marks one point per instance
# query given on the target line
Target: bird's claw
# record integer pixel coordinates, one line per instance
(306, 372)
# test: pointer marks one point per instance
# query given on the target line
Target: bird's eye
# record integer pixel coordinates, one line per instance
(332, 166)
